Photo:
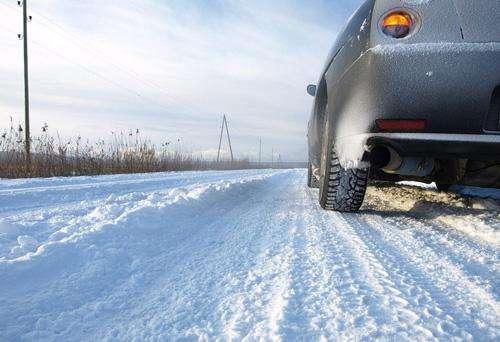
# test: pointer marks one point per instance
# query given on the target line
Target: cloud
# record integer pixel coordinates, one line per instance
(172, 68)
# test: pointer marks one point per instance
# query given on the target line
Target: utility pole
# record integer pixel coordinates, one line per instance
(26, 86)
(224, 123)
(260, 152)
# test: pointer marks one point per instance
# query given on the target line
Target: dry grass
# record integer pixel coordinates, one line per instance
(125, 152)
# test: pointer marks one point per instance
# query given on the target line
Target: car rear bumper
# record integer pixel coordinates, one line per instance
(450, 85)
(437, 145)
(354, 150)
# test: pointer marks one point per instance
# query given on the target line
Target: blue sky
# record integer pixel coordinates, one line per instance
(171, 68)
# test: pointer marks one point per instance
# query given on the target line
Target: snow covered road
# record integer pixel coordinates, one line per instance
(240, 254)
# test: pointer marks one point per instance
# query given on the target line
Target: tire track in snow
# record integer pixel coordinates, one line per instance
(313, 304)
(475, 263)
(467, 306)
(382, 291)
(429, 207)
(485, 232)
(200, 288)
(338, 298)
(340, 289)
(256, 310)
(417, 294)
(476, 259)
(477, 227)
(312, 294)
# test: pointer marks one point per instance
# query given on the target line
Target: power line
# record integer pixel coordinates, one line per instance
(94, 73)
(98, 75)
(9, 30)
(83, 67)
(9, 5)
(67, 59)
(12, 8)
(73, 38)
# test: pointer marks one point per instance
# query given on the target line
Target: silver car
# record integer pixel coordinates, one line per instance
(410, 91)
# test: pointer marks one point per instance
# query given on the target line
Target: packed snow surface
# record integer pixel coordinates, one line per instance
(242, 254)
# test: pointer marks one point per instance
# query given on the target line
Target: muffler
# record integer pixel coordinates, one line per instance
(390, 161)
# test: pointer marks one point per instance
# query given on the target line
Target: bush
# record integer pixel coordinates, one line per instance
(124, 153)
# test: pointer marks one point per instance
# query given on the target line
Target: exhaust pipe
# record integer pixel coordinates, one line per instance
(390, 161)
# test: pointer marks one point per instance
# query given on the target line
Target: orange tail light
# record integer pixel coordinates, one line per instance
(397, 24)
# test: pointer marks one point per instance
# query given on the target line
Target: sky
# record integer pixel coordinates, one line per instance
(171, 69)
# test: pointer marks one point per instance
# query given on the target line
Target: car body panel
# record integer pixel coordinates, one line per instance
(350, 44)
(477, 18)
(357, 24)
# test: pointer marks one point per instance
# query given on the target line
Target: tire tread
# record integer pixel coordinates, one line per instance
(346, 189)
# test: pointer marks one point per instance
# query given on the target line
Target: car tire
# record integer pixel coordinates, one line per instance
(312, 182)
(340, 189)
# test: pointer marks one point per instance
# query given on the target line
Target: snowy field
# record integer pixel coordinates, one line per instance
(242, 254)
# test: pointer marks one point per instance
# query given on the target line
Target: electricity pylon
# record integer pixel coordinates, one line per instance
(224, 123)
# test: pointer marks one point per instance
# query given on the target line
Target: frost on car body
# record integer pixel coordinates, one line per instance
(414, 97)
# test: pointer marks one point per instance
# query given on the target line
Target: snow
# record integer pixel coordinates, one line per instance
(402, 49)
(419, 184)
(363, 25)
(417, 2)
(242, 254)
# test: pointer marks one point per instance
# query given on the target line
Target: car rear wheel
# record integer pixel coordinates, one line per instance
(340, 189)
(312, 182)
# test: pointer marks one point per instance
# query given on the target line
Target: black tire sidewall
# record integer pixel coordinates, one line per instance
(326, 159)
(336, 183)
(309, 175)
